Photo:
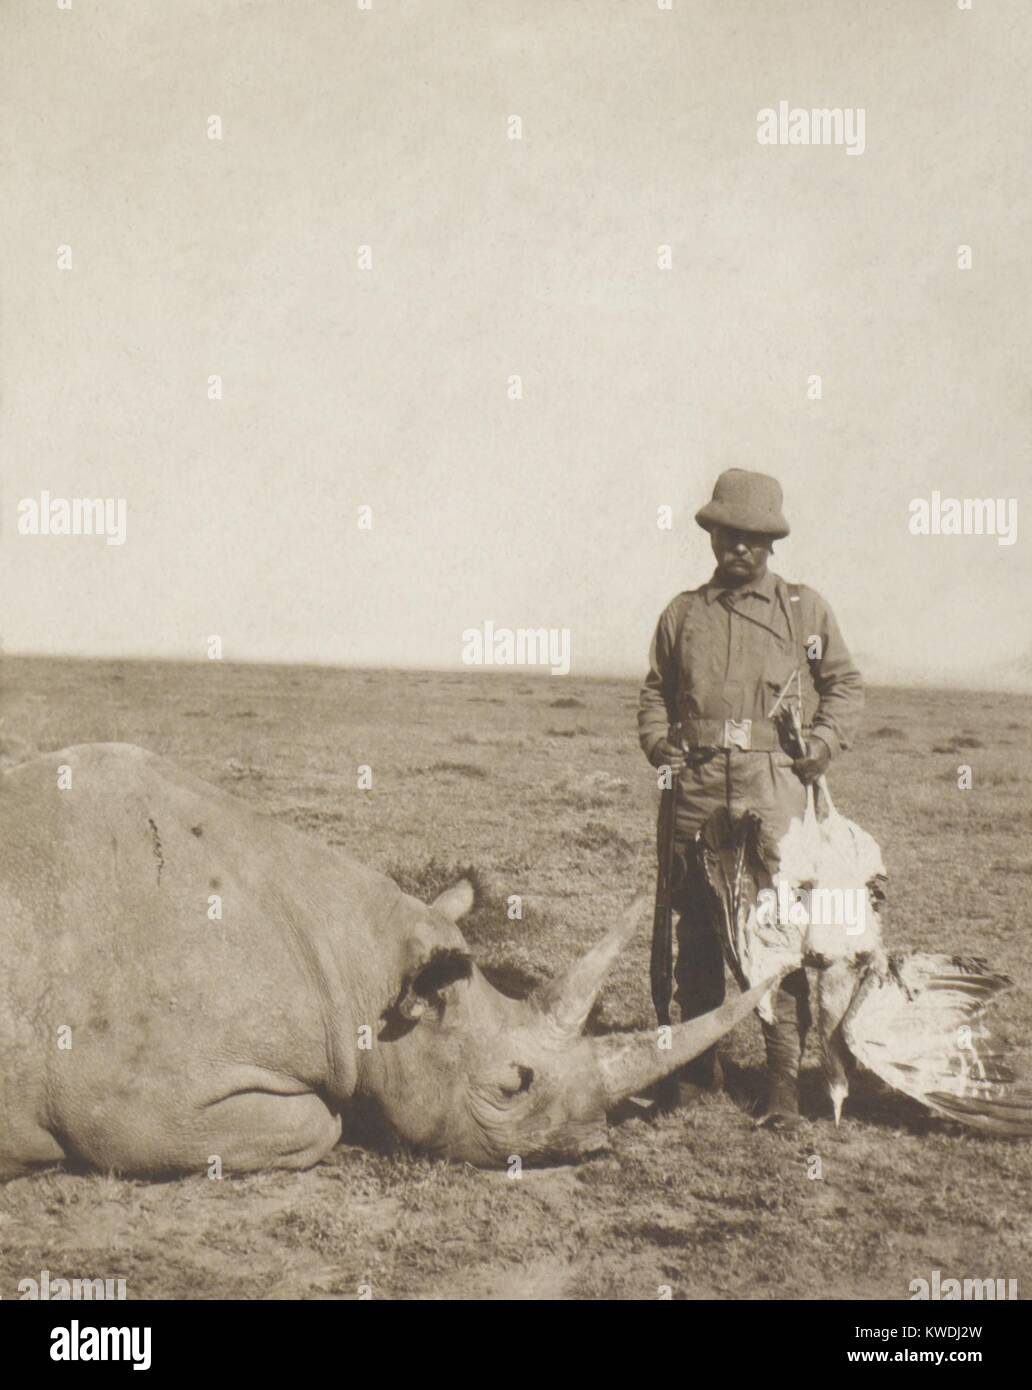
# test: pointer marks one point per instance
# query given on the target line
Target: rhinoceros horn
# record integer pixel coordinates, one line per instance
(566, 1001)
(630, 1062)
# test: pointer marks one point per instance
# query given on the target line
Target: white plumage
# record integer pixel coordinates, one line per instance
(915, 1021)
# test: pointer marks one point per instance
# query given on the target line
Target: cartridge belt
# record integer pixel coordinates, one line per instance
(748, 735)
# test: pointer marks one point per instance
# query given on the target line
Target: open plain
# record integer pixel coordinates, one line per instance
(538, 786)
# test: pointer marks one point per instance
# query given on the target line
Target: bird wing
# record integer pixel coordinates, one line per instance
(918, 1026)
(720, 848)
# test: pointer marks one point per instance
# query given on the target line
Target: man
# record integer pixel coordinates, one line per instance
(720, 657)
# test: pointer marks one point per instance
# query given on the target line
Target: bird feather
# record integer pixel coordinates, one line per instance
(919, 1027)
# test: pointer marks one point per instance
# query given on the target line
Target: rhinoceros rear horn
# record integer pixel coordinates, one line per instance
(631, 1062)
(566, 1001)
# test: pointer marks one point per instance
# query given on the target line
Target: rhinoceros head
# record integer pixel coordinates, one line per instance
(478, 1076)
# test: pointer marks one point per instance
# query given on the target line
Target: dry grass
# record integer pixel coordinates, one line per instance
(704, 1203)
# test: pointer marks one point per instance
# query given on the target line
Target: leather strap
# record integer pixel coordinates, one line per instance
(793, 612)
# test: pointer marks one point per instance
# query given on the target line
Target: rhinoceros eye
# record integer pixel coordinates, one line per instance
(525, 1079)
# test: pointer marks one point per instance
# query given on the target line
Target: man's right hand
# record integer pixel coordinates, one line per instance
(668, 754)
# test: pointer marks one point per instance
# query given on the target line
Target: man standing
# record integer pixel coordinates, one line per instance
(720, 657)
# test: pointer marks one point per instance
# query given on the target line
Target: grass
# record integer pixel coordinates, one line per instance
(701, 1202)
(456, 769)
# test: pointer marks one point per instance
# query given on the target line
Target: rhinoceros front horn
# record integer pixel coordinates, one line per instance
(566, 1001)
(631, 1062)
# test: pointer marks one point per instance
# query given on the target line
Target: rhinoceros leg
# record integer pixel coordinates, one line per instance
(256, 1130)
(24, 1153)
(245, 1132)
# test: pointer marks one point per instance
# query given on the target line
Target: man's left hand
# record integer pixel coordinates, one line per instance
(815, 763)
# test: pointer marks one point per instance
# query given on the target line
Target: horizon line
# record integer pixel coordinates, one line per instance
(904, 681)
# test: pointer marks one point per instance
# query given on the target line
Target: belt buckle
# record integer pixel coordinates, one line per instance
(738, 734)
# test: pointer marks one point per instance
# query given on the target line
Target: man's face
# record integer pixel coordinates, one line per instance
(741, 555)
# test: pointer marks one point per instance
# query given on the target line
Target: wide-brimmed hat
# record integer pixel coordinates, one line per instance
(745, 501)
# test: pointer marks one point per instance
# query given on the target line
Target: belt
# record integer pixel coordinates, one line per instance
(749, 735)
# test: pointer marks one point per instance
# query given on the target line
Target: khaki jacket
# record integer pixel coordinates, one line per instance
(711, 662)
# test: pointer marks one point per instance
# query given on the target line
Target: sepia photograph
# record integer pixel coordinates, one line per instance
(515, 664)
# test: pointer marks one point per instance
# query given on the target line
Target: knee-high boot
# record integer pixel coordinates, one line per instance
(784, 1040)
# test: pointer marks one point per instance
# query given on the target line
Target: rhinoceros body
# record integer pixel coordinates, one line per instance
(185, 979)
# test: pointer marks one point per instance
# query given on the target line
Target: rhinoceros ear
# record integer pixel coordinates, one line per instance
(432, 983)
(455, 901)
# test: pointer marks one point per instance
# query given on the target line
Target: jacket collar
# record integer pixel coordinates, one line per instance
(765, 587)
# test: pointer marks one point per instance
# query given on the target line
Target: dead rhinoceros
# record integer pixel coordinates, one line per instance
(142, 1033)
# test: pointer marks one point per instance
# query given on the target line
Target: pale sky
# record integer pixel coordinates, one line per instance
(387, 386)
